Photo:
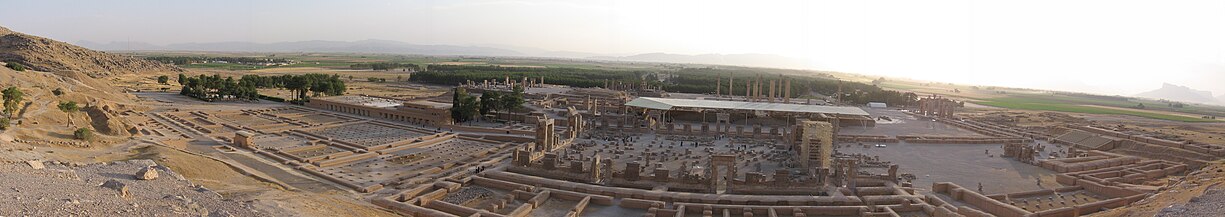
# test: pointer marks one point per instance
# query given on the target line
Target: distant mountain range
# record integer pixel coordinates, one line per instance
(397, 47)
(756, 60)
(363, 46)
(1183, 94)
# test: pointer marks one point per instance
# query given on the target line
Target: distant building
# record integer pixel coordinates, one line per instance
(416, 112)
(877, 105)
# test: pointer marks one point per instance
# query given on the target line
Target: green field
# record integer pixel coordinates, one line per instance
(1044, 103)
(226, 66)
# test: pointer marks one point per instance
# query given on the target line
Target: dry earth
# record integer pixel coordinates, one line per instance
(62, 189)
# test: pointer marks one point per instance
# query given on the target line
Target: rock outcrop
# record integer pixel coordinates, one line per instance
(105, 120)
(148, 173)
(122, 189)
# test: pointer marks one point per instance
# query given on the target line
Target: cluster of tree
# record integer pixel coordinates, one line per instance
(682, 80)
(302, 86)
(576, 77)
(465, 106)
(501, 101)
(184, 60)
(15, 67)
(386, 66)
(881, 80)
(213, 87)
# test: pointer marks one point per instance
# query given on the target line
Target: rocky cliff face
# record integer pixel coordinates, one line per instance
(48, 55)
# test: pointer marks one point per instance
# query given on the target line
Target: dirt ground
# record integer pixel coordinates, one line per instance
(231, 184)
(47, 135)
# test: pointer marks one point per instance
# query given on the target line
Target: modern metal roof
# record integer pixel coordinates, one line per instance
(669, 104)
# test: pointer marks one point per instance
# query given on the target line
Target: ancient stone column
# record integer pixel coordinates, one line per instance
(787, 91)
(772, 87)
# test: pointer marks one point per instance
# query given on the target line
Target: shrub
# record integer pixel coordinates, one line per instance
(16, 67)
(83, 134)
(58, 91)
(4, 123)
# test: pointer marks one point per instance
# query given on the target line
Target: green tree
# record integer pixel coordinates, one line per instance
(69, 107)
(163, 79)
(464, 106)
(4, 123)
(83, 134)
(490, 101)
(513, 100)
(12, 98)
(246, 87)
(182, 78)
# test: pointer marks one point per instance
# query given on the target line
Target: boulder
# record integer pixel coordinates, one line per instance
(38, 165)
(148, 173)
(117, 186)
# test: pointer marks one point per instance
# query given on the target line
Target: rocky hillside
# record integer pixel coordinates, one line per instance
(48, 55)
(59, 72)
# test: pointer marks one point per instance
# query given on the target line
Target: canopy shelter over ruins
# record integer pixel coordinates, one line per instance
(849, 115)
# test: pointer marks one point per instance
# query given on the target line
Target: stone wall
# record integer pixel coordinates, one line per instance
(979, 201)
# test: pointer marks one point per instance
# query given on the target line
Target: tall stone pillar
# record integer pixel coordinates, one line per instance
(787, 91)
(730, 92)
(772, 88)
(748, 90)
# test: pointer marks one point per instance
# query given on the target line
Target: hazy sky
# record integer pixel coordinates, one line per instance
(1113, 46)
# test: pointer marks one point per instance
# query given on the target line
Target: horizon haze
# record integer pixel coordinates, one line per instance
(1103, 47)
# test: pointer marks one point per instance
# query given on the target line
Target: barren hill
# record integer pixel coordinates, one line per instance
(48, 55)
(60, 72)
(1180, 93)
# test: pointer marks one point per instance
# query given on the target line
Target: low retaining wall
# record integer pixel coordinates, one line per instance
(984, 203)
(668, 196)
(409, 209)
